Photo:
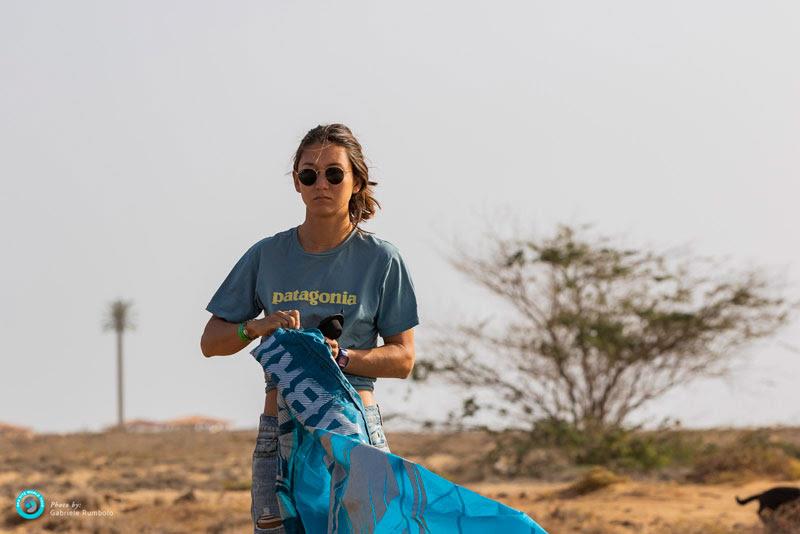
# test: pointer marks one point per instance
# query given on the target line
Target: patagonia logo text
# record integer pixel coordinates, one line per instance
(314, 297)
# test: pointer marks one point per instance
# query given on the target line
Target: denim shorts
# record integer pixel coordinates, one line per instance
(264, 502)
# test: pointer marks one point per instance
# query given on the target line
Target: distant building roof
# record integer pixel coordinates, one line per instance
(197, 420)
(143, 423)
(193, 422)
(14, 430)
(199, 423)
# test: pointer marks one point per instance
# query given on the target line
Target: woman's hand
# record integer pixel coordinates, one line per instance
(266, 326)
(334, 345)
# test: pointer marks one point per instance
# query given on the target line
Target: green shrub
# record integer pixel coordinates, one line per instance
(619, 447)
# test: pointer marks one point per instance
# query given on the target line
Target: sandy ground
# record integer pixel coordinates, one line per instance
(641, 507)
(197, 482)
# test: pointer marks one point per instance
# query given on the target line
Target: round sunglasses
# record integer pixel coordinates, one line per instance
(334, 175)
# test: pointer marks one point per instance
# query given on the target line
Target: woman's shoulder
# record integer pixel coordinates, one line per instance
(273, 243)
(376, 246)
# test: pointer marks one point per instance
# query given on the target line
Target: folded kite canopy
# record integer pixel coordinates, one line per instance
(330, 479)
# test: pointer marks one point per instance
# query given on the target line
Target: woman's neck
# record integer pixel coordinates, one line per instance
(320, 235)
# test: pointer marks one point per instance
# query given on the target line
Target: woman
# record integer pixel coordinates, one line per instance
(297, 277)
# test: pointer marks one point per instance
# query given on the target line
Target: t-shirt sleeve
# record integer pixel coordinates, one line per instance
(397, 309)
(236, 299)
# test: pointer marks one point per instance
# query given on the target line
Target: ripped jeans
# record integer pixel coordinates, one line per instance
(264, 502)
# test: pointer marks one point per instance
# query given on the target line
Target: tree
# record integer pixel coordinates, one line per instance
(119, 319)
(597, 330)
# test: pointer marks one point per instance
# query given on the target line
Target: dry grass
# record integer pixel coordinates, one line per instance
(193, 481)
(592, 480)
(747, 456)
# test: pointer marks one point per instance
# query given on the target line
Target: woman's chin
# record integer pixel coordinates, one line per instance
(321, 210)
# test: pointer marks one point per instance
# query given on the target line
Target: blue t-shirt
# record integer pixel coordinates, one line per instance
(364, 278)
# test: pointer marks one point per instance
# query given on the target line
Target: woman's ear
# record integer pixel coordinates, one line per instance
(296, 181)
(356, 188)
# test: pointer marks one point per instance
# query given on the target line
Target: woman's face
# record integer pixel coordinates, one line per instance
(322, 198)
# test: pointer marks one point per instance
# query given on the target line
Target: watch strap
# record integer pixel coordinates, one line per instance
(342, 359)
(242, 332)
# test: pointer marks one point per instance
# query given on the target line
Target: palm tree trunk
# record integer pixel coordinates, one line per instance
(120, 412)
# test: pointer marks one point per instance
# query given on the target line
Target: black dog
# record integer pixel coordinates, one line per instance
(772, 498)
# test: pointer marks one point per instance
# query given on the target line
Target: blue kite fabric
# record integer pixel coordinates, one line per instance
(331, 479)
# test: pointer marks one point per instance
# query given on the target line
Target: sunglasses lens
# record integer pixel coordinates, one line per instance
(335, 175)
(307, 176)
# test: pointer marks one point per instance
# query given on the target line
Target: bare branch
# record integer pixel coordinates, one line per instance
(600, 330)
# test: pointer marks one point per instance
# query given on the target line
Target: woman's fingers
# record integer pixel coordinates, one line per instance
(282, 319)
(334, 345)
(288, 319)
(295, 315)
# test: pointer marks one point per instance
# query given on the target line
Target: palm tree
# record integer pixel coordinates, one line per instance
(119, 320)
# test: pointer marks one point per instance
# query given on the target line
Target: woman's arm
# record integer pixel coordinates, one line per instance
(220, 338)
(394, 359)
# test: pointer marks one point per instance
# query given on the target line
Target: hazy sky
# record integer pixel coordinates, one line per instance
(145, 145)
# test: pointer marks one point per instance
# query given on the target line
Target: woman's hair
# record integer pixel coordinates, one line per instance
(363, 204)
